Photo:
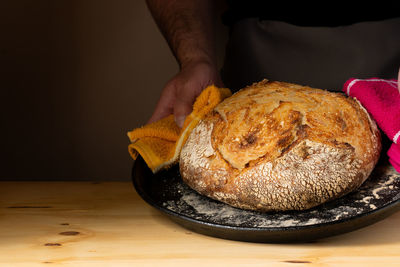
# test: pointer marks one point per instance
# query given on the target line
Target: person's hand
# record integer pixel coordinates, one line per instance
(181, 91)
(398, 81)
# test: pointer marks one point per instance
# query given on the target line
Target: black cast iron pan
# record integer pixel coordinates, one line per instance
(376, 199)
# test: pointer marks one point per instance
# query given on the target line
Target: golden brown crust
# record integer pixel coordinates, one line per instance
(281, 146)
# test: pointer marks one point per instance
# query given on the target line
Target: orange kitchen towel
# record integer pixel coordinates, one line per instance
(159, 143)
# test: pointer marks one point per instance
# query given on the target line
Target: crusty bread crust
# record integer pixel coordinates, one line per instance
(277, 146)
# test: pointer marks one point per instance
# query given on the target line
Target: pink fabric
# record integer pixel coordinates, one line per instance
(381, 98)
(394, 156)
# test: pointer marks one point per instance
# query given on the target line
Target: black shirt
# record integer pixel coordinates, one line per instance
(303, 13)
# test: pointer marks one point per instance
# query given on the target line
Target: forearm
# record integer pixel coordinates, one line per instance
(188, 27)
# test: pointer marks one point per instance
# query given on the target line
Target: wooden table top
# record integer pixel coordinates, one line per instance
(108, 224)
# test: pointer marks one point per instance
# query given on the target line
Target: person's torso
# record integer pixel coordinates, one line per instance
(303, 13)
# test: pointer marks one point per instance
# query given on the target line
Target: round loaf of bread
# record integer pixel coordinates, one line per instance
(276, 146)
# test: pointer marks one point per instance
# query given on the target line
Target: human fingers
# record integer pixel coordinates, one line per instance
(194, 79)
(165, 104)
(184, 101)
(398, 81)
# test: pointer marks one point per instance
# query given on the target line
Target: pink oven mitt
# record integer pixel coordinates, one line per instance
(381, 98)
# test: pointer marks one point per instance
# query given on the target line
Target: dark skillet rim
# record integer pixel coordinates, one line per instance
(390, 206)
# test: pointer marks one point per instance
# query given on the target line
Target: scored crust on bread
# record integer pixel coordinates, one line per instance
(277, 146)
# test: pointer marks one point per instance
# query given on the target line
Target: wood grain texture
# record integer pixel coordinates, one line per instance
(107, 224)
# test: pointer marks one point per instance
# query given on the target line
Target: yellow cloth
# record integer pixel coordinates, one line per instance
(159, 143)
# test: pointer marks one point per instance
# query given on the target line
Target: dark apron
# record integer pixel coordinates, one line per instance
(320, 57)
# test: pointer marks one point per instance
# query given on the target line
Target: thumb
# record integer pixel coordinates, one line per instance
(181, 110)
(398, 81)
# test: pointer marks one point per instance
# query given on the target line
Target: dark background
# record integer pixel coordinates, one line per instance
(75, 76)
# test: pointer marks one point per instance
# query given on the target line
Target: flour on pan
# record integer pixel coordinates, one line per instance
(373, 194)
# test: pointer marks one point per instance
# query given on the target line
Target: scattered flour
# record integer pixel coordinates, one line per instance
(381, 187)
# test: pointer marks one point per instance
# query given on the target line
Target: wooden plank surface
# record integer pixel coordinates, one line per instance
(107, 224)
